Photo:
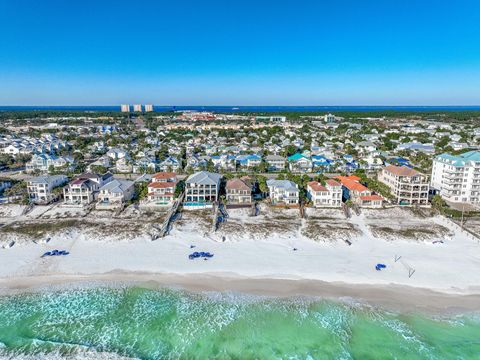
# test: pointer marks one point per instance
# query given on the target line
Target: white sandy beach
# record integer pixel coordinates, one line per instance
(450, 267)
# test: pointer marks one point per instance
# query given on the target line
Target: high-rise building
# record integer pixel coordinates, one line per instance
(125, 108)
(137, 108)
(148, 108)
(457, 177)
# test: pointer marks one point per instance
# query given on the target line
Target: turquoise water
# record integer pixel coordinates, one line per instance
(142, 323)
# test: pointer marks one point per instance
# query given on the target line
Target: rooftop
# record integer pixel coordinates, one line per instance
(164, 175)
(316, 186)
(162, 185)
(401, 170)
(204, 178)
(237, 184)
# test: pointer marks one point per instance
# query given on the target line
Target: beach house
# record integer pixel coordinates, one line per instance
(283, 192)
(238, 191)
(83, 190)
(161, 191)
(114, 194)
(357, 193)
(328, 195)
(202, 189)
(40, 188)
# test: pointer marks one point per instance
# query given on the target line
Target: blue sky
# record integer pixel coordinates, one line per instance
(247, 52)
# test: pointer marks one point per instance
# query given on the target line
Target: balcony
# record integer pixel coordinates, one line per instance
(453, 175)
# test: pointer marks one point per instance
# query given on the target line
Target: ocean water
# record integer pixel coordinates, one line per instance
(140, 323)
(258, 108)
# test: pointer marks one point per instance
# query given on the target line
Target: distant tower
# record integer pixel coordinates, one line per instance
(329, 118)
(137, 108)
(148, 108)
(125, 108)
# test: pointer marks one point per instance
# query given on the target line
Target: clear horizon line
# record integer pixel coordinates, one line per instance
(147, 103)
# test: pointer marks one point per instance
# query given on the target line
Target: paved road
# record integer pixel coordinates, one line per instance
(18, 175)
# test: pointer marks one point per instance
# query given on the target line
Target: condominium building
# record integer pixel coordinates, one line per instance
(328, 195)
(202, 189)
(409, 186)
(40, 188)
(457, 177)
(148, 108)
(125, 108)
(137, 108)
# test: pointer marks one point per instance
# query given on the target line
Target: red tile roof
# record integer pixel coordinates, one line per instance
(164, 175)
(351, 177)
(351, 183)
(371, 198)
(162, 185)
(332, 182)
(316, 186)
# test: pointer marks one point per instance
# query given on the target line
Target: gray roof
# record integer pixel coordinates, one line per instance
(285, 184)
(117, 186)
(274, 157)
(44, 179)
(204, 178)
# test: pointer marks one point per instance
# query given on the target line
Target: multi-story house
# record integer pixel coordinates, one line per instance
(457, 177)
(238, 192)
(249, 161)
(42, 162)
(11, 150)
(40, 188)
(114, 194)
(83, 190)
(103, 161)
(328, 195)
(124, 165)
(202, 189)
(417, 147)
(116, 154)
(161, 191)
(224, 162)
(409, 186)
(321, 163)
(283, 192)
(170, 164)
(358, 193)
(300, 163)
(275, 162)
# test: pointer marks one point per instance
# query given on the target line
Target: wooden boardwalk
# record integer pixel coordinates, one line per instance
(164, 229)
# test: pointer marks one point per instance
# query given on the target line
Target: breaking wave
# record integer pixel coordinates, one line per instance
(137, 323)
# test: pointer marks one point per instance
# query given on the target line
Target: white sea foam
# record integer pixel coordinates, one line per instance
(56, 355)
